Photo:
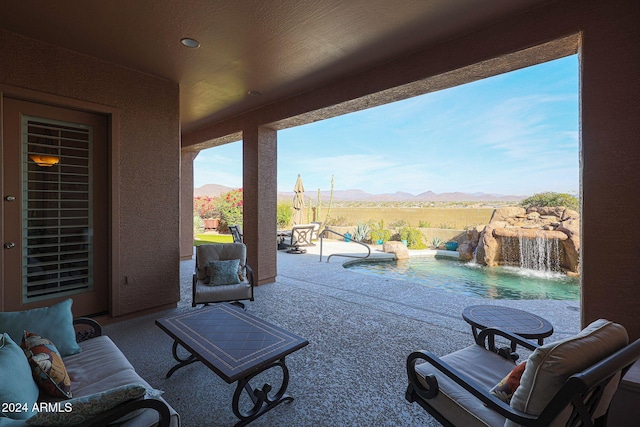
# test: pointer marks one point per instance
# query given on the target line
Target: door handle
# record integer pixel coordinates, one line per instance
(9, 245)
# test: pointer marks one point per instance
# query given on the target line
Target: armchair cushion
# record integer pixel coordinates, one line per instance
(207, 293)
(17, 387)
(234, 281)
(550, 365)
(224, 272)
(47, 366)
(482, 366)
(219, 252)
(55, 323)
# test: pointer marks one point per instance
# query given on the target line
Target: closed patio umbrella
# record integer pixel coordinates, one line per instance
(298, 201)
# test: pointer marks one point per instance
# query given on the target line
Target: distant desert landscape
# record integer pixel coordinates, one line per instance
(214, 190)
(453, 211)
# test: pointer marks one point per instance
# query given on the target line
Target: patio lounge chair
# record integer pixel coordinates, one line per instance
(218, 278)
(564, 383)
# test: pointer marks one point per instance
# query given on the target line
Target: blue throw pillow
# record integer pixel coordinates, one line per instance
(18, 390)
(224, 272)
(55, 323)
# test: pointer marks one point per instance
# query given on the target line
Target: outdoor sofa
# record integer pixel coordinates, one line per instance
(100, 386)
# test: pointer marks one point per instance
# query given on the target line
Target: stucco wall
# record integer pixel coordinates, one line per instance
(186, 204)
(610, 97)
(146, 168)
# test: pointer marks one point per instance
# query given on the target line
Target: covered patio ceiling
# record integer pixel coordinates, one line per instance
(254, 52)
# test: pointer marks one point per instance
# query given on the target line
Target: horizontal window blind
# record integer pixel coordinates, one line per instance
(57, 247)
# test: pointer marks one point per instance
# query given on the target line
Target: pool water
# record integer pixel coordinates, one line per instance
(475, 280)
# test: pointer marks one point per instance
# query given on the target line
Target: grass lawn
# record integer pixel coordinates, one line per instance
(202, 239)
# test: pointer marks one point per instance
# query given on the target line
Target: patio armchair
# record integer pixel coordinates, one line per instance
(316, 229)
(302, 234)
(236, 232)
(222, 274)
(565, 383)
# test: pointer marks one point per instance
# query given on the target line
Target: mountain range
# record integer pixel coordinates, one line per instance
(214, 190)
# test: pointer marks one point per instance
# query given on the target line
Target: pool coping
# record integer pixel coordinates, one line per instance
(389, 256)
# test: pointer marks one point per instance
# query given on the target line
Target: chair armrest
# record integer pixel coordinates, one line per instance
(249, 274)
(602, 371)
(193, 289)
(416, 388)
(86, 328)
(486, 338)
(113, 414)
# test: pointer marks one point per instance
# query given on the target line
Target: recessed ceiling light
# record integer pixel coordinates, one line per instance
(191, 43)
(254, 93)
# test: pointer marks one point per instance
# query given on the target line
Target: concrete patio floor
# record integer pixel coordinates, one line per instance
(360, 329)
(413, 300)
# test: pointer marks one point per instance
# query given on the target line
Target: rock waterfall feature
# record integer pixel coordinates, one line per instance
(545, 238)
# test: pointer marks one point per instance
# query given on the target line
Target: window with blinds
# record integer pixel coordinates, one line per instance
(57, 248)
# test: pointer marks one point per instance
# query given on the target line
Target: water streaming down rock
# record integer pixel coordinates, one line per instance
(545, 239)
(474, 260)
(539, 253)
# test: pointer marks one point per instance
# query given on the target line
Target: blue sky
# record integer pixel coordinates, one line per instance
(516, 133)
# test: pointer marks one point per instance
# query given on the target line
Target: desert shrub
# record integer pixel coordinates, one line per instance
(361, 231)
(399, 223)
(551, 198)
(383, 234)
(413, 236)
(445, 226)
(424, 224)
(340, 221)
(230, 207)
(284, 213)
(205, 207)
(378, 232)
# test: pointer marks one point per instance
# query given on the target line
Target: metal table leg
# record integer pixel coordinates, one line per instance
(181, 362)
(262, 400)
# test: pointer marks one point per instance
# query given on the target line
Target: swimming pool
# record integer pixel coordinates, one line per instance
(473, 279)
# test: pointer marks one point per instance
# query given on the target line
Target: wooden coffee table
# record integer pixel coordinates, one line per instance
(236, 346)
(523, 323)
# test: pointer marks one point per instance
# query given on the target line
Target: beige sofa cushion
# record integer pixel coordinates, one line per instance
(550, 365)
(101, 366)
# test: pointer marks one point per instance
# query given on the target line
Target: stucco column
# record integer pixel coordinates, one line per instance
(259, 158)
(610, 60)
(186, 203)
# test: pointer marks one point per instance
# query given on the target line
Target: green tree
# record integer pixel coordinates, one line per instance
(283, 214)
(550, 198)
